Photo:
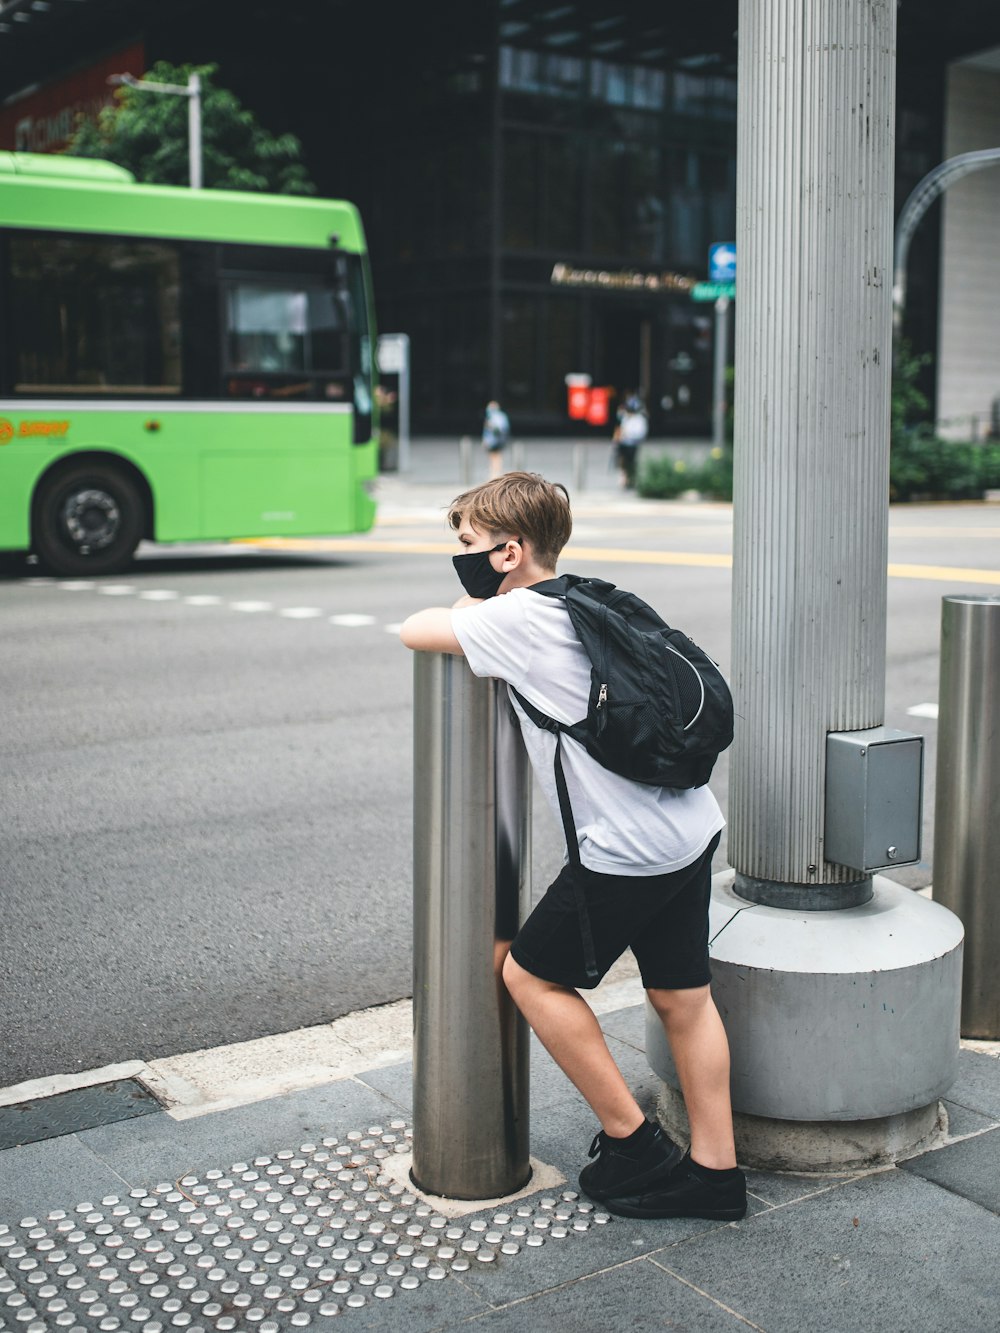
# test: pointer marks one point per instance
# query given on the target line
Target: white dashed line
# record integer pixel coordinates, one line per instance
(346, 619)
(352, 620)
(923, 710)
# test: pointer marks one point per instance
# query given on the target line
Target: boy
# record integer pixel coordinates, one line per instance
(646, 855)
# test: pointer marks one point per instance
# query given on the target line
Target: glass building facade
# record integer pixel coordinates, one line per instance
(585, 165)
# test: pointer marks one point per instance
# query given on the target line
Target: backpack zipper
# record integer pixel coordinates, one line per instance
(602, 696)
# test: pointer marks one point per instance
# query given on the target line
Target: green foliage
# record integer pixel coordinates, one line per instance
(147, 132)
(920, 462)
(665, 478)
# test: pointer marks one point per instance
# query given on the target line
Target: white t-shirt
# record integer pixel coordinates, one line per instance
(623, 827)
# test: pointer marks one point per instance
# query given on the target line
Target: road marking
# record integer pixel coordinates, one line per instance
(300, 612)
(944, 574)
(610, 555)
(38, 583)
(252, 606)
(116, 589)
(203, 599)
(393, 629)
(352, 620)
(923, 710)
(76, 585)
(159, 595)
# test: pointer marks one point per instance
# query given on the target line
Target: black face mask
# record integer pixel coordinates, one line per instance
(475, 573)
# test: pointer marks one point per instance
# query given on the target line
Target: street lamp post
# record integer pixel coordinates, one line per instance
(192, 91)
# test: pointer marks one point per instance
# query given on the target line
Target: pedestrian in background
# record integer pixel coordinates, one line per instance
(496, 433)
(632, 429)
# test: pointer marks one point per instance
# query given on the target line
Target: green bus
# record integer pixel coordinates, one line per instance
(177, 365)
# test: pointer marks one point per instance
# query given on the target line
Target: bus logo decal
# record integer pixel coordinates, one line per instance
(6, 431)
(43, 428)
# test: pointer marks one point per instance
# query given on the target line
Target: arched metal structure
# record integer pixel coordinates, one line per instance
(923, 195)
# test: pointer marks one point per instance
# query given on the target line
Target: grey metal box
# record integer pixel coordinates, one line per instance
(874, 798)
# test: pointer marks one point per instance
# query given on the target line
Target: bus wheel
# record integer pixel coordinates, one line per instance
(88, 520)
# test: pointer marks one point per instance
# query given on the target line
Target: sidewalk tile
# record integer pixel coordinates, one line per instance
(886, 1253)
(56, 1173)
(971, 1169)
(962, 1121)
(978, 1084)
(638, 1296)
(157, 1147)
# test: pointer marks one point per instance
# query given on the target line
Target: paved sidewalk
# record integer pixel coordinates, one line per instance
(288, 1212)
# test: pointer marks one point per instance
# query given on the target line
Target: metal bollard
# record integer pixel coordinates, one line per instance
(579, 466)
(471, 888)
(465, 460)
(967, 807)
(517, 456)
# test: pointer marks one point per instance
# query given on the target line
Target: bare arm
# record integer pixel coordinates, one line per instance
(430, 631)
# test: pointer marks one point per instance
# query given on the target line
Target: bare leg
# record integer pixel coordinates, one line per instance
(701, 1055)
(566, 1026)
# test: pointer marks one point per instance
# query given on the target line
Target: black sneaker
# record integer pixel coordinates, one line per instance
(620, 1171)
(687, 1192)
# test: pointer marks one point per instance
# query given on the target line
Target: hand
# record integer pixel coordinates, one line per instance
(466, 600)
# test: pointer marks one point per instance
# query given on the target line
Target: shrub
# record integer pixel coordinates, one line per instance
(715, 477)
(665, 478)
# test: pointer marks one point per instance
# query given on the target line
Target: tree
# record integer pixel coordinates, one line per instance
(147, 133)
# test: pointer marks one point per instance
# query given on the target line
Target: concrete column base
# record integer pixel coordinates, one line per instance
(817, 1145)
(843, 1026)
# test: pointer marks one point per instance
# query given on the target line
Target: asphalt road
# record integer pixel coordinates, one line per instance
(206, 781)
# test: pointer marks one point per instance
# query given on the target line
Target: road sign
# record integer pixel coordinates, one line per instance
(722, 262)
(393, 353)
(711, 291)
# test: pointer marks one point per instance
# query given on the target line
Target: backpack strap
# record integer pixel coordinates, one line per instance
(569, 830)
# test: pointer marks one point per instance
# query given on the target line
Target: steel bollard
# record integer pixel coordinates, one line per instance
(579, 466)
(967, 805)
(517, 456)
(471, 888)
(465, 460)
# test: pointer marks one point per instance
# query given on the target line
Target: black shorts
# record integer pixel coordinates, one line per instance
(663, 919)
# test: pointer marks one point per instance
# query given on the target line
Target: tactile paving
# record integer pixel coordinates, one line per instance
(283, 1242)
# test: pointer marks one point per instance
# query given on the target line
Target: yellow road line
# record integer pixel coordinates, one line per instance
(605, 554)
(944, 574)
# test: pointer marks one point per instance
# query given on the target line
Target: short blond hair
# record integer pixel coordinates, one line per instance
(520, 504)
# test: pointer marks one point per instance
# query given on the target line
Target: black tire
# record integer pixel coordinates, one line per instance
(87, 520)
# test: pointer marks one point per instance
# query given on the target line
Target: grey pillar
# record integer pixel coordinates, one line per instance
(967, 811)
(814, 239)
(803, 948)
(471, 885)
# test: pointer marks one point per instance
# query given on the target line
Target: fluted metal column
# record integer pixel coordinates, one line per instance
(814, 239)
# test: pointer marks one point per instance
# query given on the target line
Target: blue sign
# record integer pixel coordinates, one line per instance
(722, 262)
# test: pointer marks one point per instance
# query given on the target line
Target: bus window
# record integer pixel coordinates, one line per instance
(285, 338)
(95, 316)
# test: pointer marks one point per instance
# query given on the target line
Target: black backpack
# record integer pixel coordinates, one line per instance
(660, 711)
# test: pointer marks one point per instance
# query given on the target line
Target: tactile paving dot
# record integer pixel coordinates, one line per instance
(289, 1241)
